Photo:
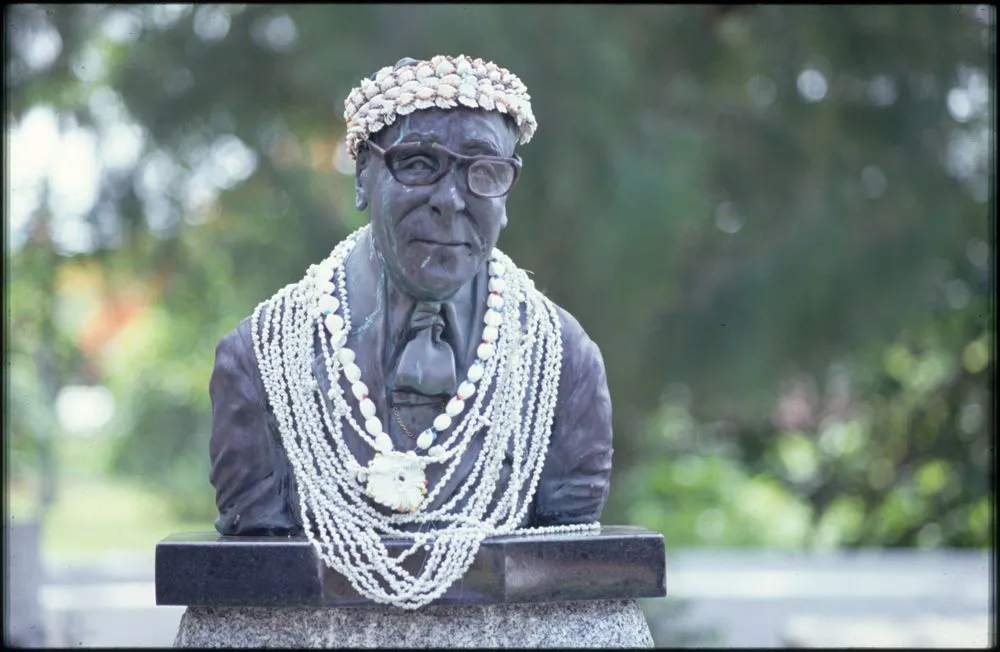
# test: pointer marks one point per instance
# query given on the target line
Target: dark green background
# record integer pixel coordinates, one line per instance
(793, 297)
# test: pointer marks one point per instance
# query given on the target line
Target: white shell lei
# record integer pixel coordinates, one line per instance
(522, 365)
(442, 82)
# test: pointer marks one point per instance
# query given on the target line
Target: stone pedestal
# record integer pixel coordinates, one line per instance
(538, 591)
(591, 623)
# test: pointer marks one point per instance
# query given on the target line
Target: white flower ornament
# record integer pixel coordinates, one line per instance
(397, 480)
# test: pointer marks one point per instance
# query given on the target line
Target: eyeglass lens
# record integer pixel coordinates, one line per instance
(422, 166)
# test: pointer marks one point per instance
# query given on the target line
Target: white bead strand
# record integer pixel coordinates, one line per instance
(509, 395)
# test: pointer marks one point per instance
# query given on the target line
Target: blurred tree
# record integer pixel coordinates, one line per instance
(727, 198)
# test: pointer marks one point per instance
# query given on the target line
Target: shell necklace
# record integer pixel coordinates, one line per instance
(393, 478)
(519, 358)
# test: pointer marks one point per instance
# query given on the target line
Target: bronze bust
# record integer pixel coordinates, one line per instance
(387, 376)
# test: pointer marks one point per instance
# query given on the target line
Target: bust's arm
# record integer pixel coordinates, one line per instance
(575, 481)
(249, 471)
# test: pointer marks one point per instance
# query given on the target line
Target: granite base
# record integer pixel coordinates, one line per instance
(590, 623)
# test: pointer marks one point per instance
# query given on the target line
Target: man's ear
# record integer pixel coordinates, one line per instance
(361, 178)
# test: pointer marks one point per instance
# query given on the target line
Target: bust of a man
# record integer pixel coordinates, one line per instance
(415, 381)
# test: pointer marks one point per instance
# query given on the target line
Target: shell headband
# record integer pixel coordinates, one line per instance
(443, 82)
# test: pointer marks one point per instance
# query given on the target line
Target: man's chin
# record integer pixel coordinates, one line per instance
(436, 286)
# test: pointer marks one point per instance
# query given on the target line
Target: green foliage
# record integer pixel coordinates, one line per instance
(899, 456)
(750, 209)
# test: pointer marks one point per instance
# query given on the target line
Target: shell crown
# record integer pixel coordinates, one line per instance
(442, 82)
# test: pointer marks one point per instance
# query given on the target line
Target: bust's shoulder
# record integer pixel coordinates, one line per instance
(584, 400)
(237, 342)
(254, 325)
(580, 352)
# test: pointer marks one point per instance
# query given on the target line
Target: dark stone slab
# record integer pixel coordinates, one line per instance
(206, 569)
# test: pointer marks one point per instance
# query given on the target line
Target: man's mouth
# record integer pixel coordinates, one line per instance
(442, 243)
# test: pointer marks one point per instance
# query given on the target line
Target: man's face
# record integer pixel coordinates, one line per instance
(434, 238)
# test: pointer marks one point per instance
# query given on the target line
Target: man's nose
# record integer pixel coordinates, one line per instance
(446, 198)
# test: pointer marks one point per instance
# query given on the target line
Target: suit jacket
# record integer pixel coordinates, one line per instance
(254, 482)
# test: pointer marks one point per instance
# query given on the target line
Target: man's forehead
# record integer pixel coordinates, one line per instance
(454, 127)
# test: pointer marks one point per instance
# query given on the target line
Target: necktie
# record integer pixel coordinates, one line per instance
(427, 364)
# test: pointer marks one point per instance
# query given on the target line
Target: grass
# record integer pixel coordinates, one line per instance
(97, 517)
(95, 514)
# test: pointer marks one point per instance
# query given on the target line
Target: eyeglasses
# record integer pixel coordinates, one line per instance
(420, 164)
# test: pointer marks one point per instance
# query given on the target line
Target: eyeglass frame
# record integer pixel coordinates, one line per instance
(454, 158)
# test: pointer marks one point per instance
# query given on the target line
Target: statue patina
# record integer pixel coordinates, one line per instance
(421, 284)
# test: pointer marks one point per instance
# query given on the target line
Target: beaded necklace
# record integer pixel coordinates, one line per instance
(520, 363)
